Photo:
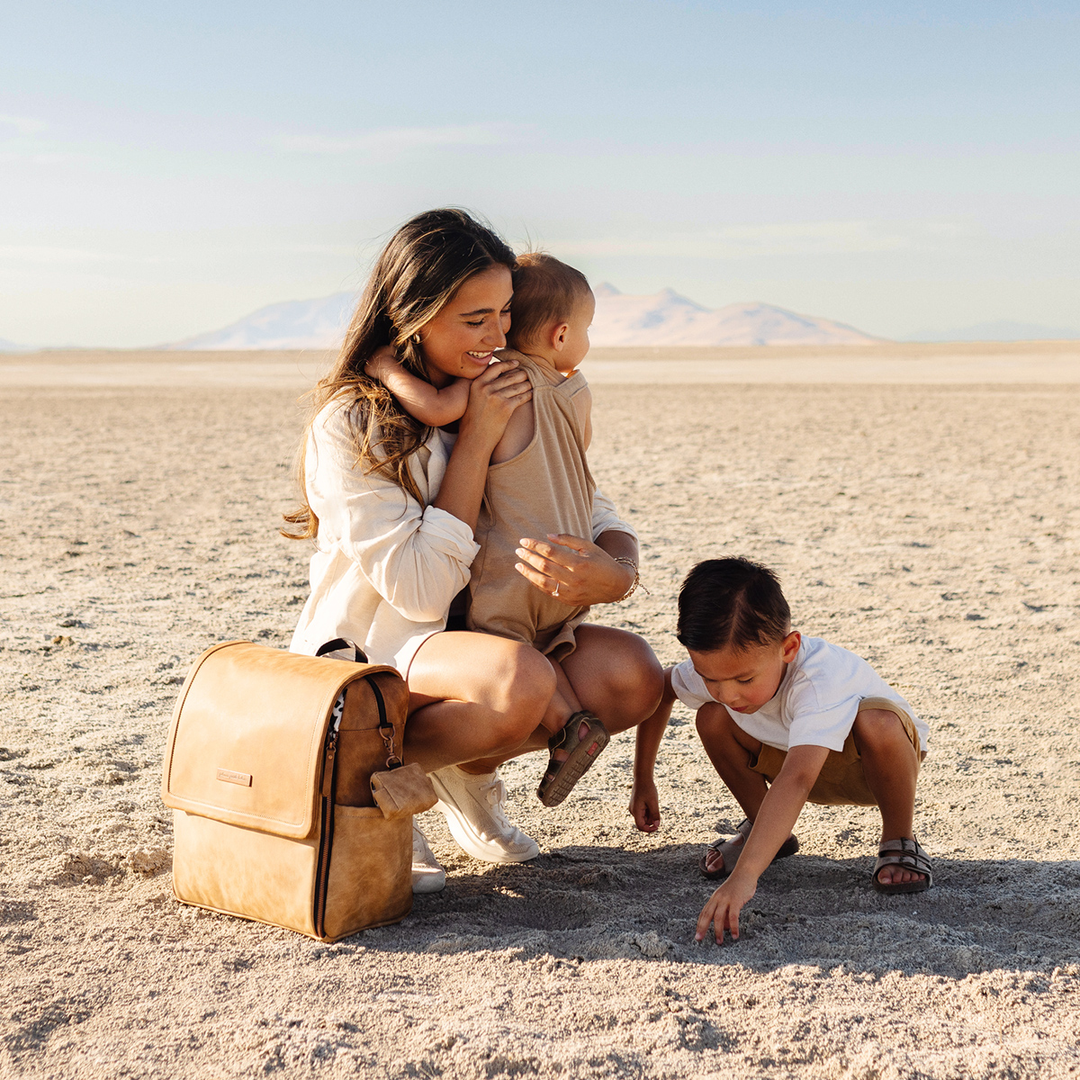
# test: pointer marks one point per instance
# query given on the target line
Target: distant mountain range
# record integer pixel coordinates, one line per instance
(294, 324)
(665, 318)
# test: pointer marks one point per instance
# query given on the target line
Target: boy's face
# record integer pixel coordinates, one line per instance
(746, 679)
(576, 335)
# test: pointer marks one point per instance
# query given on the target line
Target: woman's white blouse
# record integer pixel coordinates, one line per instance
(386, 567)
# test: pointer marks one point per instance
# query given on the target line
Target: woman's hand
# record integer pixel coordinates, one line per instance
(576, 571)
(493, 396)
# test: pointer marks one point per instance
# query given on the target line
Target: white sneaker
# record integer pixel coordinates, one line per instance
(427, 875)
(474, 809)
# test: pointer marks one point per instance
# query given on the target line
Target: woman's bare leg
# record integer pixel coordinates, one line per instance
(477, 700)
(482, 699)
(614, 674)
(474, 698)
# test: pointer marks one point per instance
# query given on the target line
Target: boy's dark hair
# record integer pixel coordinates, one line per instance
(546, 291)
(731, 603)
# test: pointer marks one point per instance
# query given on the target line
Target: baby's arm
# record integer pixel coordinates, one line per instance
(427, 403)
(779, 811)
(644, 802)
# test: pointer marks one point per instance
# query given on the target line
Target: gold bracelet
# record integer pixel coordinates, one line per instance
(635, 583)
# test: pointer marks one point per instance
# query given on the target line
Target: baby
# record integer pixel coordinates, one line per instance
(538, 483)
(786, 720)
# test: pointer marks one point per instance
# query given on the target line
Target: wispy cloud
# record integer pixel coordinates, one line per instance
(23, 125)
(788, 238)
(394, 141)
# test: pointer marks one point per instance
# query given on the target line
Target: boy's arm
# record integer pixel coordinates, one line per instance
(427, 403)
(779, 811)
(644, 802)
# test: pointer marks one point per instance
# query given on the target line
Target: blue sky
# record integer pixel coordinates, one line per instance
(166, 170)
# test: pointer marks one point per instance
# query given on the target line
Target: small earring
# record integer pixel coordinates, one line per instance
(416, 339)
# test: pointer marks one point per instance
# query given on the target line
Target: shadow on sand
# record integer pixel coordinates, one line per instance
(596, 902)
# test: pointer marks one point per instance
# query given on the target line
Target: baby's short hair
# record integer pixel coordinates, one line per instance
(731, 603)
(546, 291)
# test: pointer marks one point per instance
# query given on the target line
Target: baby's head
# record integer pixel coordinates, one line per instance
(551, 310)
(736, 626)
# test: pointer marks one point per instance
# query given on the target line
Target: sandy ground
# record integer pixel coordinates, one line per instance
(929, 524)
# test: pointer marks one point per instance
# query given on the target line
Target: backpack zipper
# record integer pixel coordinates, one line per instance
(326, 830)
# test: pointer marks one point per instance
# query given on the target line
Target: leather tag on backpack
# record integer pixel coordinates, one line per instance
(402, 792)
(231, 777)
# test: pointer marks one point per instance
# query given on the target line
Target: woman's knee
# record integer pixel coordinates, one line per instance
(623, 663)
(520, 684)
(510, 682)
(638, 670)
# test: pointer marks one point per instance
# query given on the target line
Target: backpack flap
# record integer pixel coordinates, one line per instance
(248, 734)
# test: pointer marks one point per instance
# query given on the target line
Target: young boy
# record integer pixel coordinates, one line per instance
(785, 719)
(538, 482)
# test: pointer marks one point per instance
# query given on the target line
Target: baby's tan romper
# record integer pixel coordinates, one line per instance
(547, 488)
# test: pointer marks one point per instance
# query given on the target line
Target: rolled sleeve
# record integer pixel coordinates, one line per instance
(420, 564)
(417, 558)
(605, 517)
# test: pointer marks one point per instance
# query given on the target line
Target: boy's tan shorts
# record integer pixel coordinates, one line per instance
(841, 781)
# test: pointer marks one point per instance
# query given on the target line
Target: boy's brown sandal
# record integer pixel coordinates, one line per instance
(909, 855)
(730, 852)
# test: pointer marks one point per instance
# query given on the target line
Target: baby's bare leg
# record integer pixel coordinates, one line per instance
(564, 702)
(891, 767)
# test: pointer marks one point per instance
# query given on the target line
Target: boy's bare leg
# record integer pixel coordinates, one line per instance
(891, 767)
(731, 750)
(563, 705)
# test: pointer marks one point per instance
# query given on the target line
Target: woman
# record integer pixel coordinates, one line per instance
(392, 506)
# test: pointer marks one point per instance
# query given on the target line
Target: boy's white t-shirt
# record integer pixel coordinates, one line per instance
(816, 703)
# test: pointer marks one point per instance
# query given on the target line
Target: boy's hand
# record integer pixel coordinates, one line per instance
(723, 908)
(645, 805)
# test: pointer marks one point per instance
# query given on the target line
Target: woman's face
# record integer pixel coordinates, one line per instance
(459, 341)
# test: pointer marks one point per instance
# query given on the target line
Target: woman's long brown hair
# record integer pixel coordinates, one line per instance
(425, 263)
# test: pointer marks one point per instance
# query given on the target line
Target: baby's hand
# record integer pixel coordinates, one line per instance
(382, 364)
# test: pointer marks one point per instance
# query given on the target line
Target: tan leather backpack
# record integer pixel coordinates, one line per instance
(268, 769)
